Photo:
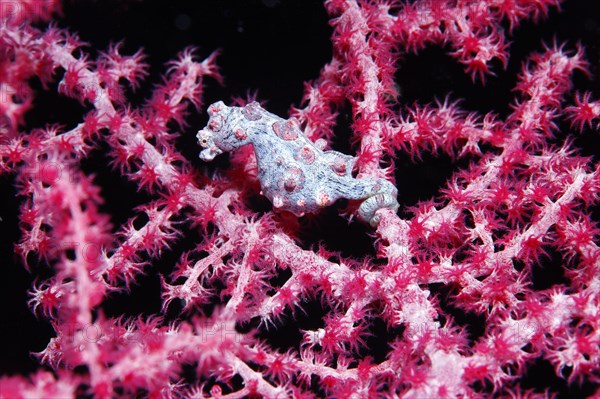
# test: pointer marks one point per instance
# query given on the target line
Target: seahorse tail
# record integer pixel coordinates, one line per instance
(369, 207)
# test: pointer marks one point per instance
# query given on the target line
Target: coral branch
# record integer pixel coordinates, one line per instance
(463, 294)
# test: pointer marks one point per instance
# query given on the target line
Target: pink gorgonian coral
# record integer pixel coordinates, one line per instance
(141, 271)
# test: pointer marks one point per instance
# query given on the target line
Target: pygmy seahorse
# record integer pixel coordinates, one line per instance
(295, 174)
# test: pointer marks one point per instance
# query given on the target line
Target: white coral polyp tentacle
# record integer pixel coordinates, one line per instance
(295, 174)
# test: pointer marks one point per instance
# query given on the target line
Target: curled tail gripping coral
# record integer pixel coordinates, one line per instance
(295, 174)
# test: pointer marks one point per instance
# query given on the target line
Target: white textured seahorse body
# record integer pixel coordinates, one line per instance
(294, 173)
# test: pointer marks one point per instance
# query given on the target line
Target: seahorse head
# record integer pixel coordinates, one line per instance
(223, 132)
(210, 149)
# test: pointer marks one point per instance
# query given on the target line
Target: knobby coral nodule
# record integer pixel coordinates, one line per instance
(295, 174)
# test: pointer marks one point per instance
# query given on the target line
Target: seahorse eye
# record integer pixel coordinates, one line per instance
(203, 142)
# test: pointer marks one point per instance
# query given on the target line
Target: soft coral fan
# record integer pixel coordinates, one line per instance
(519, 198)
